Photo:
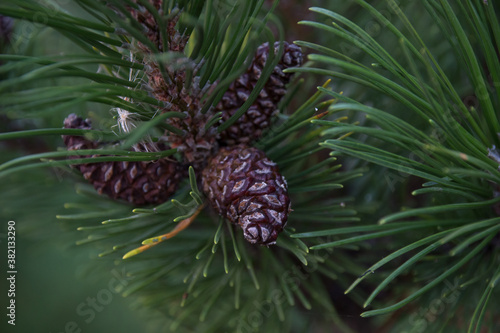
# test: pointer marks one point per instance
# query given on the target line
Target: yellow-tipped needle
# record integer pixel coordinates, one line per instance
(138, 250)
(150, 242)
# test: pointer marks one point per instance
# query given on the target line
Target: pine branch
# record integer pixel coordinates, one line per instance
(430, 134)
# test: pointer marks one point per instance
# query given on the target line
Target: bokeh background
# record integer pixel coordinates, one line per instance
(55, 286)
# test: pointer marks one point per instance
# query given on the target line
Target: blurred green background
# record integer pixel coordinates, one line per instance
(54, 291)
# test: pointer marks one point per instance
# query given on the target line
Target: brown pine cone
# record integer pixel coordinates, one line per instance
(140, 183)
(176, 41)
(246, 187)
(250, 125)
(175, 70)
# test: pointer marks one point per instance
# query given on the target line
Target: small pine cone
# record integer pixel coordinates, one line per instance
(140, 183)
(246, 187)
(177, 42)
(250, 125)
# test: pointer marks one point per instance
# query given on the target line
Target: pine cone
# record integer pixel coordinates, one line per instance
(140, 183)
(250, 125)
(246, 187)
(176, 41)
(163, 91)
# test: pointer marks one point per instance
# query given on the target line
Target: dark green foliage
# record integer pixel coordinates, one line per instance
(423, 129)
